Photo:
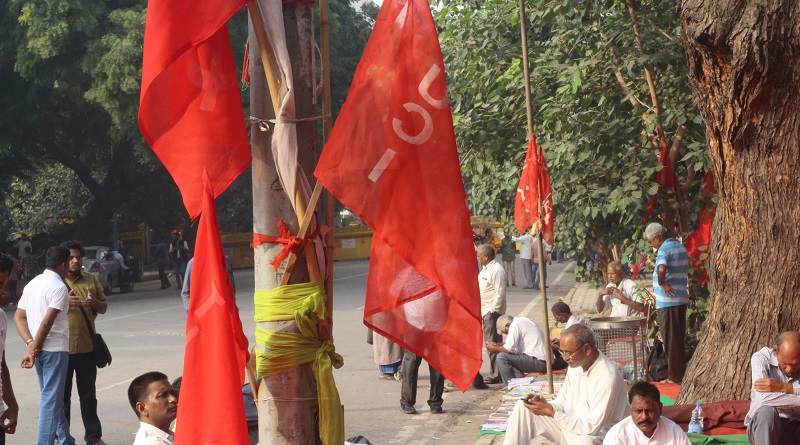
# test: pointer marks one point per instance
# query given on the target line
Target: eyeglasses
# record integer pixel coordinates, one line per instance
(571, 353)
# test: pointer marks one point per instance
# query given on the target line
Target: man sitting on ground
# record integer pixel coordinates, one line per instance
(774, 416)
(645, 425)
(620, 294)
(563, 314)
(524, 349)
(589, 403)
(154, 402)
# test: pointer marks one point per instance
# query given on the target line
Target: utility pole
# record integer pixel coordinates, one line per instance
(287, 402)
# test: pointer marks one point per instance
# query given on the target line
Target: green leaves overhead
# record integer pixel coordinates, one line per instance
(592, 109)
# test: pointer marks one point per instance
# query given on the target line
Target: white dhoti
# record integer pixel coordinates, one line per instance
(524, 426)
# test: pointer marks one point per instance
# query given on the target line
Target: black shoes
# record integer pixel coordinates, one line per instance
(436, 410)
(409, 409)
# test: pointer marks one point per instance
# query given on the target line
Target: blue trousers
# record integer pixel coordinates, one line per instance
(51, 368)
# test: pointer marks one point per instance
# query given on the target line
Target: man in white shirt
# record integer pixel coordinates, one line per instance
(589, 403)
(153, 400)
(621, 294)
(492, 284)
(525, 242)
(41, 321)
(645, 426)
(524, 349)
(8, 417)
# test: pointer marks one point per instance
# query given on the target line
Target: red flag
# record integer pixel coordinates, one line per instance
(664, 178)
(392, 159)
(190, 111)
(699, 242)
(211, 410)
(526, 208)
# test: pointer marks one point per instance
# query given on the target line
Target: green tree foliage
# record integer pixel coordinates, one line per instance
(592, 107)
(70, 146)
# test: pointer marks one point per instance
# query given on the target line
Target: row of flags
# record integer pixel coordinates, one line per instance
(391, 158)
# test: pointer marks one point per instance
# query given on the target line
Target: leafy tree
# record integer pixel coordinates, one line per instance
(593, 111)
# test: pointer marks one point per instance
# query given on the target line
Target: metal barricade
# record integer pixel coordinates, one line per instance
(622, 339)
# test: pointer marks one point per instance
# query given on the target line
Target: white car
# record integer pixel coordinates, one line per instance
(98, 261)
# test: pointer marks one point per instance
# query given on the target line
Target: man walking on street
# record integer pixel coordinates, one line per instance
(86, 300)
(41, 321)
(492, 284)
(525, 242)
(179, 251)
(162, 250)
(670, 279)
(536, 262)
(509, 251)
(408, 394)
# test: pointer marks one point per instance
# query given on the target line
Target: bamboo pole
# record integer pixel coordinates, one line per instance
(327, 126)
(529, 107)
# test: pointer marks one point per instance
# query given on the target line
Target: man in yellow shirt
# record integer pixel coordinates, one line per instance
(85, 292)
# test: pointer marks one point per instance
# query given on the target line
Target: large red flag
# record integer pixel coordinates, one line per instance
(526, 208)
(190, 109)
(392, 159)
(211, 410)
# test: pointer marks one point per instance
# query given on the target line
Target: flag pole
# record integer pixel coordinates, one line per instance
(529, 108)
(327, 126)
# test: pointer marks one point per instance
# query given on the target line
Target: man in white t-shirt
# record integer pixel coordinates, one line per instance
(525, 242)
(645, 424)
(41, 321)
(621, 294)
(524, 350)
(8, 417)
(156, 405)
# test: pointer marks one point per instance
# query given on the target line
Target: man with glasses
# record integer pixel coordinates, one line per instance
(589, 403)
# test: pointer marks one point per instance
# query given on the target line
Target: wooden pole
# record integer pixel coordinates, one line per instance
(327, 126)
(529, 107)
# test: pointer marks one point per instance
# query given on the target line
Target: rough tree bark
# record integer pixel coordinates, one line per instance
(743, 67)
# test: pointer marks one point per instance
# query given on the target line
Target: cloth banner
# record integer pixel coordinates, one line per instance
(392, 159)
(305, 303)
(211, 410)
(665, 178)
(699, 242)
(190, 109)
(526, 206)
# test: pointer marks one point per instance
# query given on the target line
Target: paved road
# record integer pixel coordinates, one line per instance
(145, 332)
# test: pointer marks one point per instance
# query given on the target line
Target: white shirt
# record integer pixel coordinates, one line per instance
(525, 337)
(764, 365)
(21, 245)
(591, 402)
(574, 319)
(618, 308)
(524, 245)
(626, 433)
(47, 291)
(151, 435)
(492, 283)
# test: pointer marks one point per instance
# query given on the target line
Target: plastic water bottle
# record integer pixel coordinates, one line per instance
(696, 424)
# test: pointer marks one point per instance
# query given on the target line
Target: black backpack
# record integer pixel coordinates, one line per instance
(657, 365)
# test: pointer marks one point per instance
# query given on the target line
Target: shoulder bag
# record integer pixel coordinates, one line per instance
(102, 356)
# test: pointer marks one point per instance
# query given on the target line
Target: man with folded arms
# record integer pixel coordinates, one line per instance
(645, 425)
(589, 403)
(774, 416)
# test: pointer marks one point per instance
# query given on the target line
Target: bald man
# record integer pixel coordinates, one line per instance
(774, 416)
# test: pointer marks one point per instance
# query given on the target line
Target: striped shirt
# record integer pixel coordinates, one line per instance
(764, 365)
(672, 254)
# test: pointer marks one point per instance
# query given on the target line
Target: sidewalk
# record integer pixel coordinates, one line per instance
(581, 300)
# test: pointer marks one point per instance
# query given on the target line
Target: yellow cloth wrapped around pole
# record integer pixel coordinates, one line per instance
(305, 303)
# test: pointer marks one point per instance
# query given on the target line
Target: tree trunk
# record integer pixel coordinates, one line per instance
(287, 401)
(742, 66)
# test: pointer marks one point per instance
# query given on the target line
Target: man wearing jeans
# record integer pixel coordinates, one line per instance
(524, 349)
(41, 321)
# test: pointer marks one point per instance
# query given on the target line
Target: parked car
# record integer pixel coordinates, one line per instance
(98, 261)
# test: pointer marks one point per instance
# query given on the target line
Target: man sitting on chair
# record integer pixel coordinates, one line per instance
(620, 294)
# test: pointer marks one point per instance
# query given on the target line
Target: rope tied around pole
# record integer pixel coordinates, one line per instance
(291, 243)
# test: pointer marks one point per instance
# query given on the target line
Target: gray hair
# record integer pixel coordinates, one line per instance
(486, 249)
(582, 334)
(502, 321)
(616, 265)
(655, 230)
